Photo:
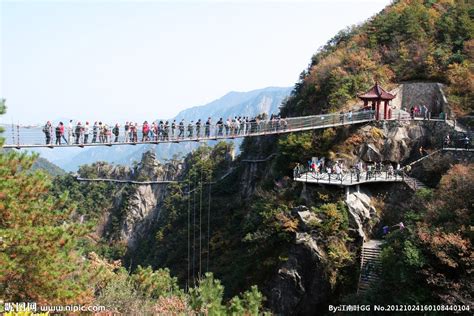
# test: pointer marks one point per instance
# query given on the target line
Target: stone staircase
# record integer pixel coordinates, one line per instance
(370, 264)
(413, 183)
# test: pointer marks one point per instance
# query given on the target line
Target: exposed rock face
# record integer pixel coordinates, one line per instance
(420, 93)
(301, 285)
(141, 206)
(362, 211)
(369, 152)
(142, 210)
(399, 141)
(255, 165)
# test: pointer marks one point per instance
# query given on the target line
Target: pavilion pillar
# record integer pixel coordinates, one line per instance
(385, 109)
(377, 110)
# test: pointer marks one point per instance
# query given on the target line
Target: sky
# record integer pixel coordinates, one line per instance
(136, 60)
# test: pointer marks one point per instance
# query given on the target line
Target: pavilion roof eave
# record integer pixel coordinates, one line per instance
(377, 93)
(374, 97)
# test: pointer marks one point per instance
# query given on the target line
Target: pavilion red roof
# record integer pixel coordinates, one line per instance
(377, 93)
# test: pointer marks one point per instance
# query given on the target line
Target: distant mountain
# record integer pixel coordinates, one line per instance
(252, 103)
(42, 164)
(233, 104)
(47, 166)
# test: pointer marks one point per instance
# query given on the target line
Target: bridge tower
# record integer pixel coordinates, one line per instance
(376, 95)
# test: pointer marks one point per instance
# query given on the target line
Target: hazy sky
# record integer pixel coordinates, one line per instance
(121, 60)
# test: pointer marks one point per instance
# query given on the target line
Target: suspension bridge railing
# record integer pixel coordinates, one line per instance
(35, 136)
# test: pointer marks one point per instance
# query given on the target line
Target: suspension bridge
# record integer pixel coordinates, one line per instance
(24, 136)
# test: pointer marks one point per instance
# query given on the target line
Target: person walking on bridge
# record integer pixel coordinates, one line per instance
(198, 128)
(61, 133)
(78, 132)
(145, 131)
(70, 132)
(95, 129)
(116, 132)
(181, 129)
(86, 132)
(207, 130)
(166, 131)
(47, 130)
(134, 132)
(126, 131)
(58, 134)
(154, 132)
(173, 128)
(220, 125)
(242, 125)
(160, 130)
(100, 129)
(227, 126)
(190, 129)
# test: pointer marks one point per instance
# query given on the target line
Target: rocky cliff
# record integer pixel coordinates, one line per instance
(137, 206)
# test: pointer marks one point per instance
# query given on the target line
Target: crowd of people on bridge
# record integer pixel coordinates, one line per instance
(79, 133)
(337, 170)
(163, 130)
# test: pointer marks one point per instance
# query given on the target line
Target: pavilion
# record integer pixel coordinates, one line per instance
(376, 95)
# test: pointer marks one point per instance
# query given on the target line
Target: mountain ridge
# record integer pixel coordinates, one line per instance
(234, 103)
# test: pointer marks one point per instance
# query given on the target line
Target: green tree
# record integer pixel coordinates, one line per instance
(39, 260)
(207, 296)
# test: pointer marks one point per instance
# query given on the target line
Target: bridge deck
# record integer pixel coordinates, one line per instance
(126, 181)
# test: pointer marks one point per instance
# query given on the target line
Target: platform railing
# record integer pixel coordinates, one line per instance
(352, 176)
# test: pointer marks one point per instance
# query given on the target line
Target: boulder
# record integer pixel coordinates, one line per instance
(361, 211)
(368, 152)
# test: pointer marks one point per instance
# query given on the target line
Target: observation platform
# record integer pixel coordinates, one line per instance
(349, 179)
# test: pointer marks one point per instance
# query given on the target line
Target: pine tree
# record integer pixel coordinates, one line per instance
(38, 259)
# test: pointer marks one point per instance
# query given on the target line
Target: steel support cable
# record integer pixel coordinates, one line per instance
(209, 221)
(200, 226)
(13, 134)
(194, 232)
(189, 239)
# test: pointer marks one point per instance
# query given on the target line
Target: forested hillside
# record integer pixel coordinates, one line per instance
(49, 251)
(409, 40)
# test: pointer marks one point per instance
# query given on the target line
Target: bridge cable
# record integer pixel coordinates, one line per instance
(13, 133)
(200, 226)
(194, 230)
(209, 220)
(189, 238)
